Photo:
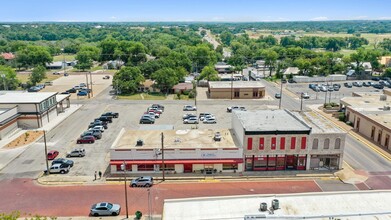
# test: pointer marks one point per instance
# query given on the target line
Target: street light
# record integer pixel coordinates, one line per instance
(63, 62)
(123, 167)
(279, 105)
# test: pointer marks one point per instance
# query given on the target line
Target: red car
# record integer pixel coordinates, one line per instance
(86, 139)
(52, 154)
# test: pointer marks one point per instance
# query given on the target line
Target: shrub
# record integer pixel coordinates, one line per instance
(341, 116)
(186, 92)
(192, 94)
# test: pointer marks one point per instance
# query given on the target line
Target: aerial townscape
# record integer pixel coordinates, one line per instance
(195, 110)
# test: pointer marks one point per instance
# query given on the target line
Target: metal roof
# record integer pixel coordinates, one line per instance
(25, 97)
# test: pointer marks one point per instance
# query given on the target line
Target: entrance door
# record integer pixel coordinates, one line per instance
(187, 168)
(290, 162)
(208, 168)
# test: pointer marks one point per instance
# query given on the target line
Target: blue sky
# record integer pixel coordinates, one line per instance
(193, 10)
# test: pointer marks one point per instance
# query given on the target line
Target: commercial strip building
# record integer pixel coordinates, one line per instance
(370, 115)
(284, 140)
(265, 140)
(236, 90)
(185, 151)
(29, 110)
(326, 205)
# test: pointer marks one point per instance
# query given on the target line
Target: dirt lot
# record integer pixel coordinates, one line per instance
(66, 82)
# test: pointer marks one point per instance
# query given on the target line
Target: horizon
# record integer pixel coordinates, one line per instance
(231, 11)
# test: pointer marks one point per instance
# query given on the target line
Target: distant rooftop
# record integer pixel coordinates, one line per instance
(334, 205)
(318, 123)
(235, 84)
(271, 121)
(25, 97)
(175, 139)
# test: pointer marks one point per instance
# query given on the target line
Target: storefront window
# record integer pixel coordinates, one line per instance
(169, 167)
(145, 167)
(229, 166)
(260, 162)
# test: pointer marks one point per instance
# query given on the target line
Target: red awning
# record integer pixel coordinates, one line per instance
(222, 161)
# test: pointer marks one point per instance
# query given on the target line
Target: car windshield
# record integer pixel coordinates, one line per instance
(109, 205)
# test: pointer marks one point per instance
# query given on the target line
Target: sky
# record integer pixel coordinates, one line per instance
(193, 10)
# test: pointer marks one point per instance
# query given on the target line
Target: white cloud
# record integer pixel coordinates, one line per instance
(384, 18)
(113, 18)
(322, 18)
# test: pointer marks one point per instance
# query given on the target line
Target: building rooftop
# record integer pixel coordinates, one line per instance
(271, 120)
(235, 84)
(193, 138)
(318, 123)
(25, 97)
(366, 101)
(333, 205)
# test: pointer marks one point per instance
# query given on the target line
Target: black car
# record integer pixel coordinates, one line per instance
(72, 90)
(96, 134)
(105, 118)
(376, 78)
(98, 123)
(112, 114)
(146, 120)
(378, 86)
(63, 161)
(65, 93)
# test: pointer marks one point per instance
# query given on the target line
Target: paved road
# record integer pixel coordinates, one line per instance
(24, 195)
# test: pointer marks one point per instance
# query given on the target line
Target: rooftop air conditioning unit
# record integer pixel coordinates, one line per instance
(386, 108)
(263, 207)
(139, 142)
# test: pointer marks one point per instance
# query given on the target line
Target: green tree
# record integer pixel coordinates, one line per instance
(86, 56)
(358, 58)
(165, 78)
(128, 79)
(303, 64)
(8, 78)
(37, 75)
(209, 73)
(226, 38)
(387, 72)
(108, 47)
(270, 57)
(33, 56)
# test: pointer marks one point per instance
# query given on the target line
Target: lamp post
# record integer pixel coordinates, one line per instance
(63, 62)
(123, 167)
(46, 153)
(92, 93)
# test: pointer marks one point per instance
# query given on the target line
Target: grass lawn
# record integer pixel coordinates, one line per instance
(182, 97)
(68, 57)
(24, 77)
(143, 96)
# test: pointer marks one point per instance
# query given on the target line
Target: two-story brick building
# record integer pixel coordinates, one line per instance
(283, 140)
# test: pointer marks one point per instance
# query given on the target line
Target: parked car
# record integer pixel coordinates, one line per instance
(191, 120)
(98, 123)
(59, 168)
(33, 89)
(77, 152)
(189, 108)
(106, 77)
(144, 181)
(202, 116)
(82, 93)
(63, 161)
(305, 95)
(86, 139)
(160, 111)
(378, 86)
(209, 121)
(158, 106)
(52, 154)
(366, 84)
(65, 93)
(153, 114)
(375, 78)
(94, 132)
(56, 73)
(348, 85)
(233, 108)
(277, 95)
(112, 114)
(323, 88)
(147, 120)
(50, 83)
(97, 128)
(72, 90)
(105, 208)
(188, 115)
(105, 118)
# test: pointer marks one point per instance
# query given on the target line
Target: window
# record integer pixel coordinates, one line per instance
(338, 143)
(273, 145)
(293, 143)
(249, 143)
(326, 144)
(303, 143)
(282, 143)
(315, 143)
(168, 167)
(373, 132)
(229, 166)
(236, 94)
(261, 143)
(379, 136)
(145, 167)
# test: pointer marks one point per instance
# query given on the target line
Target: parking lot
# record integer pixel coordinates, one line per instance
(64, 83)
(298, 88)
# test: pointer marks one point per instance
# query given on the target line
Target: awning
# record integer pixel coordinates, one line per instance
(222, 161)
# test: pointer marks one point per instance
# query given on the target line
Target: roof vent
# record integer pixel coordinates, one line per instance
(383, 97)
(263, 207)
(139, 142)
(386, 108)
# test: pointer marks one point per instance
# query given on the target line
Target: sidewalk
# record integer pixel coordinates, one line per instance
(8, 155)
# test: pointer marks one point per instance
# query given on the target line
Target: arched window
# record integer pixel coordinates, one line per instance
(315, 143)
(338, 143)
(326, 144)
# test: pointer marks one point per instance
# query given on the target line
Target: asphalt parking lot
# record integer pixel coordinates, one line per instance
(298, 88)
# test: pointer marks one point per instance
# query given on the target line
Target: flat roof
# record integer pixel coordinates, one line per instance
(367, 101)
(190, 138)
(61, 97)
(318, 123)
(25, 97)
(339, 205)
(235, 84)
(271, 120)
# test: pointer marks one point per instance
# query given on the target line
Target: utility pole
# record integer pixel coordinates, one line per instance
(123, 167)
(46, 153)
(163, 166)
(88, 92)
(301, 102)
(92, 93)
(149, 204)
(232, 83)
(325, 96)
(279, 105)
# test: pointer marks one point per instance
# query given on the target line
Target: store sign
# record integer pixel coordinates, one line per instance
(208, 155)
